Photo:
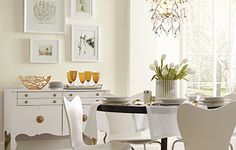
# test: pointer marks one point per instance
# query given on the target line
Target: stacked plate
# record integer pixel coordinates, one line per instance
(56, 85)
(214, 101)
(116, 99)
(171, 101)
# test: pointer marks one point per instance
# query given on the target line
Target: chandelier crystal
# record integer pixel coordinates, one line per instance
(167, 16)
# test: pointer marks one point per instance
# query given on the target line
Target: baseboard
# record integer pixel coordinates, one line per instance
(1, 145)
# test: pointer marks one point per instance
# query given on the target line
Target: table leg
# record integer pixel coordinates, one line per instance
(164, 144)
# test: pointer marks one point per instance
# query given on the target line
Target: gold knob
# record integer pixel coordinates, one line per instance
(26, 95)
(26, 102)
(97, 94)
(54, 101)
(54, 95)
(85, 118)
(40, 119)
(70, 94)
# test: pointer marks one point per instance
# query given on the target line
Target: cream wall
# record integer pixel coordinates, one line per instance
(109, 15)
(145, 47)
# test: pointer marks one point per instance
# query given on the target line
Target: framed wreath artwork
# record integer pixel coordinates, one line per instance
(44, 16)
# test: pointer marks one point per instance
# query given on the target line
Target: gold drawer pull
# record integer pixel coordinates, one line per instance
(54, 95)
(26, 95)
(97, 100)
(26, 102)
(97, 94)
(40, 119)
(85, 118)
(54, 101)
(70, 94)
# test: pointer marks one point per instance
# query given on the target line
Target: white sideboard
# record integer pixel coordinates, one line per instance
(34, 112)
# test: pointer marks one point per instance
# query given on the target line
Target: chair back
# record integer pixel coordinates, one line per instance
(203, 129)
(74, 111)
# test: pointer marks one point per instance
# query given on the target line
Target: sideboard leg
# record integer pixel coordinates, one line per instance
(13, 143)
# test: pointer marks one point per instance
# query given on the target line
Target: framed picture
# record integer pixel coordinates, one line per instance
(84, 43)
(81, 8)
(44, 51)
(44, 16)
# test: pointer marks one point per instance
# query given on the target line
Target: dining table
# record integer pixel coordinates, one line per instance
(131, 109)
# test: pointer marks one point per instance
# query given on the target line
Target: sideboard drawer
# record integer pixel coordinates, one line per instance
(32, 102)
(39, 94)
(40, 119)
(83, 94)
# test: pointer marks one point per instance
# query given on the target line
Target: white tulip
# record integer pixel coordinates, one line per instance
(152, 66)
(184, 61)
(171, 65)
(164, 72)
(156, 63)
(177, 66)
(163, 56)
(188, 71)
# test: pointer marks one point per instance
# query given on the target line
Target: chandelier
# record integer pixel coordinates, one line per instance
(167, 16)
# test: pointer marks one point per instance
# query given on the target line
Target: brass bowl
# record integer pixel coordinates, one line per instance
(34, 82)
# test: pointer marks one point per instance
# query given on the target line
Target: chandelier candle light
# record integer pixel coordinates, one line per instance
(166, 76)
(167, 15)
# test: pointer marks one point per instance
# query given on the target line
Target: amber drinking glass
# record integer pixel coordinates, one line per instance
(88, 75)
(71, 76)
(81, 77)
(96, 76)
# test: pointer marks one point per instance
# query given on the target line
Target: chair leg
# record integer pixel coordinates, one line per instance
(144, 146)
(231, 146)
(173, 145)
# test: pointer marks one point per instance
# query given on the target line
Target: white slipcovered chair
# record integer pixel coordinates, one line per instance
(122, 127)
(204, 129)
(74, 111)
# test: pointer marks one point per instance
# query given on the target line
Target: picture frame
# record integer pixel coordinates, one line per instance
(84, 43)
(44, 51)
(44, 16)
(82, 8)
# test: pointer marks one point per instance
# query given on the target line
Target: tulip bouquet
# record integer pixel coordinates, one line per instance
(171, 71)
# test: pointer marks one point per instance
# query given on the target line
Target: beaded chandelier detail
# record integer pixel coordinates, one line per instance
(167, 16)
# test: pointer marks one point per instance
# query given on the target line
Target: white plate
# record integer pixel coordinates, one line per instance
(214, 99)
(171, 101)
(116, 98)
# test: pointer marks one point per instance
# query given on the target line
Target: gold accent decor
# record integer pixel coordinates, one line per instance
(40, 119)
(85, 118)
(34, 82)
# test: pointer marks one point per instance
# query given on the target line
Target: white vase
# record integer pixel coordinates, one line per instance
(166, 89)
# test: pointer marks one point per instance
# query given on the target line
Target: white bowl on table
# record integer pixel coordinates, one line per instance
(171, 101)
(214, 101)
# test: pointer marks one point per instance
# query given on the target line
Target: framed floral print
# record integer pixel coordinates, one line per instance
(84, 43)
(44, 16)
(81, 8)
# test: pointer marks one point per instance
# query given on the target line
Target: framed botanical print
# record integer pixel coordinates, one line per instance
(81, 8)
(44, 16)
(44, 51)
(84, 43)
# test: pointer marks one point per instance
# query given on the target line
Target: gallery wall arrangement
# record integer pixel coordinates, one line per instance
(48, 17)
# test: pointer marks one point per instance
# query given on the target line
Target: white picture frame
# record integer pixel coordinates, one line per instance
(82, 8)
(44, 16)
(44, 51)
(84, 43)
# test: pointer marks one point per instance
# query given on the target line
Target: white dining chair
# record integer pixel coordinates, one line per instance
(122, 128)
(206, 129)
(74, 111)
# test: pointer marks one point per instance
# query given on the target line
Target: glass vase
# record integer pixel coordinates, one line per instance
(166, 89)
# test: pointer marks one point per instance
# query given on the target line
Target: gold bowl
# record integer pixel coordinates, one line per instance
(34, 82)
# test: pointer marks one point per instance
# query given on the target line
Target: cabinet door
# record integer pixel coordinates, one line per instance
(33, 120)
